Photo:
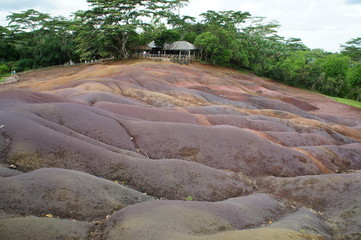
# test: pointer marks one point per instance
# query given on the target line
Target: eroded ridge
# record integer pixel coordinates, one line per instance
(164, 151)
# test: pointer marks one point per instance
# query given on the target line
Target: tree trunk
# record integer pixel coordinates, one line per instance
(201, 54)
(124, 44)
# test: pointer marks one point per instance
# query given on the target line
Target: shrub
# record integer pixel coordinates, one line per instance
(24, 64)
(4, 69)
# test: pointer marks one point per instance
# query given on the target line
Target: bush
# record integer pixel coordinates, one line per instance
(24, 64)
(4, 69)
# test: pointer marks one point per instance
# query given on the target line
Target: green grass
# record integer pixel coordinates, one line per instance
(2, 80)
(3, 77)
(340, 100)
(347, 102)
(189, 198)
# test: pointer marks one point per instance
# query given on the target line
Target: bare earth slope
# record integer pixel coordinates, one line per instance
(112, 151)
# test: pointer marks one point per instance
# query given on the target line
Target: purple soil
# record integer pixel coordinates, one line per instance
(65, 193)
(191, 218)
(204, 133)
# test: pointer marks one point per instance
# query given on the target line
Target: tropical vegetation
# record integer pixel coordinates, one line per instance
(33, 39)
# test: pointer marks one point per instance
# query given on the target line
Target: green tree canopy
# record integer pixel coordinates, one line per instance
(225, 19)
(29, 20)
(7, 46)
(41, 40)
(296, 44)
(111, 23)
(166, 37)
(352, 49)
(354, 81)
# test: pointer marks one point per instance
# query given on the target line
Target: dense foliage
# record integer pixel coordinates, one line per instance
(230, 38)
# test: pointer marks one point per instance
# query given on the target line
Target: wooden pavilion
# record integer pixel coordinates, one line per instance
(179, 51)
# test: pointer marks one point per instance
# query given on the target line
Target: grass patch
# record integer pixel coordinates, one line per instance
(340, 100)
(2, 80)
(4, 76)
(189, 198)
(347, 102)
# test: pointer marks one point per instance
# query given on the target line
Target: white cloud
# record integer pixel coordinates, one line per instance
(14, 5)
(319, 23)
(54, 8)
(353, 1)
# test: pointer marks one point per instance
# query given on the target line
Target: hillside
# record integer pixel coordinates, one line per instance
(113, 150)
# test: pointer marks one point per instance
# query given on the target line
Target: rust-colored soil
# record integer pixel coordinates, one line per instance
(113, 150)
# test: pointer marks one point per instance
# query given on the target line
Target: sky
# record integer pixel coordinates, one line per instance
(322, 24)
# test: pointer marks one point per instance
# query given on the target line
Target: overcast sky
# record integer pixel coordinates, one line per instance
(319, 23)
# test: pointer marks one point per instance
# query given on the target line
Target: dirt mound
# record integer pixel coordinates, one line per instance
(341, 206)
(64, 193)
(236, 149)
(197, 220)
(7, 172)
(42, 228)
(92, 142)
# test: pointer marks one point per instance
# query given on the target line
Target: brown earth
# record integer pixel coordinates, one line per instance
(113, 150)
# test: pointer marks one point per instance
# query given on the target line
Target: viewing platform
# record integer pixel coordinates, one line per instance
(176, 58)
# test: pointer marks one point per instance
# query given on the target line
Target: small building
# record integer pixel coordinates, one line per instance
(141, 49)
(152, 45)
(178, 48)
(179, 51)
(181, 48)
(154, 49)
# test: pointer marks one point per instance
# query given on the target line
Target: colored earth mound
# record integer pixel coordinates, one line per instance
(143, 150)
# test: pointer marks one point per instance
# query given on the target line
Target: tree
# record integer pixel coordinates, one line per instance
(177, 21)
(89, 42)
(25, 28)
(148, 34)
(354, 81)
(219, 43)
(300, 68)
(4, 69)
(261, 47)
(62, 31)
(335, 65)
(189, 31)
(29, 20)
(55, 43)
(296, 44)
(166, 37)
(41, 40)
(218, 46)
(190, 37)
(111, 23)
(333, 71)
(207, 44)
(352, 49)
(258, 27)
(8, 50)
(225, 19)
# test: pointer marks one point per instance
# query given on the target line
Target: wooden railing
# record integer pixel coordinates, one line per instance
(181, 59)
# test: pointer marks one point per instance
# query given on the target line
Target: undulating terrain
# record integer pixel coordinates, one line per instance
(149, 150)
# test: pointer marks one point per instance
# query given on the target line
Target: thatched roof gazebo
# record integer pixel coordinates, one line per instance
(152, 45)
(179, 51)
(181, 47)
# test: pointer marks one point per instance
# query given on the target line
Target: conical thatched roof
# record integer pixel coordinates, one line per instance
(177, 46)
(180, 46)
(152, 45)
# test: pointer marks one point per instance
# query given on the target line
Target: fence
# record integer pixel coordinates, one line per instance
(181, 59)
